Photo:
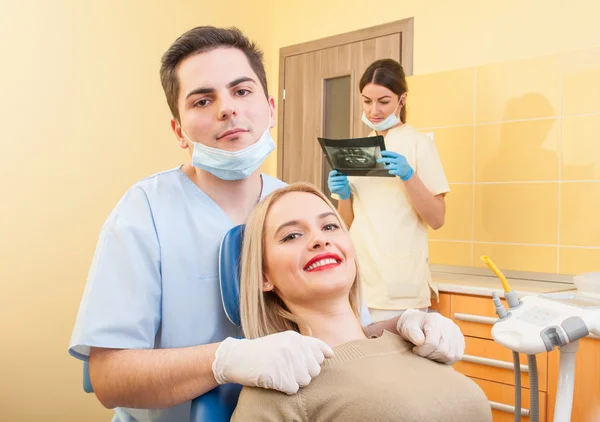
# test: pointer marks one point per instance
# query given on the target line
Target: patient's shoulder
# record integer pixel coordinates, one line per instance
(259, 404)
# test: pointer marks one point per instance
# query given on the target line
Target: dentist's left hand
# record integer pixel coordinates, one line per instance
(435, 337)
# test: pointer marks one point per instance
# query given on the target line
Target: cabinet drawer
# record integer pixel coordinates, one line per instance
(475, 315)
(442, 306)
(497, 363)
(502, 400)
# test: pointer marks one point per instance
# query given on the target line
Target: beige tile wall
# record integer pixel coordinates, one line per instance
(520, 144)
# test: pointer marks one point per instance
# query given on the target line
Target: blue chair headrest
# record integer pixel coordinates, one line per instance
(217, 405)
(229, 272)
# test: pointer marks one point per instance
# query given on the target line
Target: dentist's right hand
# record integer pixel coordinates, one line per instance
(283, 361)
(338, 183)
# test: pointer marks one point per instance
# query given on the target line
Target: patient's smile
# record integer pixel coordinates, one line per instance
(323, 262)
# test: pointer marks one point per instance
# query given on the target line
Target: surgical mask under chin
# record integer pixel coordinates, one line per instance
(232, 165)
(389, 122)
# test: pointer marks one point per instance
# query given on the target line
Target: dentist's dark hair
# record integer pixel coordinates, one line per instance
(201, 40)
(390, 74)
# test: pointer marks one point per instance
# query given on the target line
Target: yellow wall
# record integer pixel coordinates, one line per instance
(547, 227)
(518, 141)
(448, 34)
(83, 117)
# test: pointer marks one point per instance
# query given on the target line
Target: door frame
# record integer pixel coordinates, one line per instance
(405, 27)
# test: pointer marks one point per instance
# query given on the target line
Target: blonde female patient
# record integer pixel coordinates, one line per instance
(299, 273)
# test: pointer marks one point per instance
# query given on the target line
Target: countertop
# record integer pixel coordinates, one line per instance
(485, 285)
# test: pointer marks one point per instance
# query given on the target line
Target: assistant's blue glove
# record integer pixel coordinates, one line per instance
(396, 164)
(338, 184)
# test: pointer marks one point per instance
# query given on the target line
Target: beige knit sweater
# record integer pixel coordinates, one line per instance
(375, 380)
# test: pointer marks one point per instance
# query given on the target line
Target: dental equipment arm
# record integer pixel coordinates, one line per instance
(538, 324)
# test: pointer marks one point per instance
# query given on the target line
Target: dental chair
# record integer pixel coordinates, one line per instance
(535, 324)
(218, 404)
(229, 273)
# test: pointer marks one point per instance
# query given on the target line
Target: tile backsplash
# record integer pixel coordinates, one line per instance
(520, 146)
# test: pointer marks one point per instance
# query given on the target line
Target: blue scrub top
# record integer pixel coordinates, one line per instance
(153, 282)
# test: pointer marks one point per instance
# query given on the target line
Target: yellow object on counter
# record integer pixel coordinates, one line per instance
(496, 271)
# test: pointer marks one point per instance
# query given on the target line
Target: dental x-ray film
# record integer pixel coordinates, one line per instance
(356, 156)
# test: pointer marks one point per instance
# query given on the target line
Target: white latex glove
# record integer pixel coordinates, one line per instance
(435, 337)
(283, 361)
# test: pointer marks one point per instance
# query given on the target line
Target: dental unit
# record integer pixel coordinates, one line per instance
(538, 323)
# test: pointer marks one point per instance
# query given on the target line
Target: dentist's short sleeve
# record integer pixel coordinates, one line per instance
(121, 304)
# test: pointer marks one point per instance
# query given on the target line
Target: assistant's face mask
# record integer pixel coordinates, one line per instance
(389, 122)
(232, 165)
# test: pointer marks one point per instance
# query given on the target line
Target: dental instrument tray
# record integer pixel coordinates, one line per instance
(355, 156)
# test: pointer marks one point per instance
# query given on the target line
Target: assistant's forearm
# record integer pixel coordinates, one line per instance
(346, 212)
(431, 208)
(156, 378)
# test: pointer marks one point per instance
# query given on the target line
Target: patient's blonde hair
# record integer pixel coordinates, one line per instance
(264, 313)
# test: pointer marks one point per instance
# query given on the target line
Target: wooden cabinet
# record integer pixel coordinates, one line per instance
(490, 365)
(502, 396)
(486, 359)
(442, 305)
(475, 315)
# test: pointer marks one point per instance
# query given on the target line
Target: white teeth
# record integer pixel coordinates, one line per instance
(320, 263)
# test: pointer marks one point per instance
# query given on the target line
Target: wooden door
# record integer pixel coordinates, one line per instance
(321, 98)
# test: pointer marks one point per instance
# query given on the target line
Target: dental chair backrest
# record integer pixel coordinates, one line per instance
(229, 272)
(87, 384)
(218, 404)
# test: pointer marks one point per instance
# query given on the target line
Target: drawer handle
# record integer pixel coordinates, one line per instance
(493, 362)
(475, 318)
(506, 408)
